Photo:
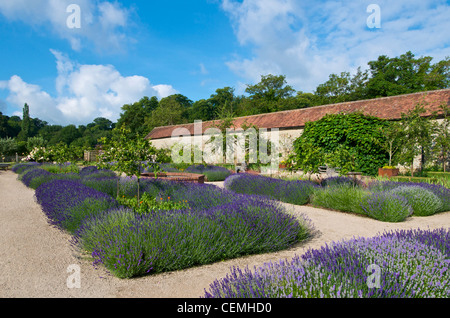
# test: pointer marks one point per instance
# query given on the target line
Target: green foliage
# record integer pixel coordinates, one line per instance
(348, 141)
(126, 155)
(134, 115)
(406, 74)
(26, 124)
(71, 168)
(423, 201)
(345, 198)
(148, 204)
(35, 142)
(442, 140)
(417, 136)
(86, 209)
(8, 146)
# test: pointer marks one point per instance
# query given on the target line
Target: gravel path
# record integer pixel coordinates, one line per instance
(35, 258)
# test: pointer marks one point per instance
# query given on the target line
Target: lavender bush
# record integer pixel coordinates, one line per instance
(65, 202)
(295, 192)
(412, 263)
(386, 206)
(28, 175)
(340, 180)
(423, 201)
(173, 240)
(34, 177)
(21, 167)
(440, 191)
(341, 197)
(211, 172)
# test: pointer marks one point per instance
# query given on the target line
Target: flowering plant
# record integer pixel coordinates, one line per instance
(39, 154)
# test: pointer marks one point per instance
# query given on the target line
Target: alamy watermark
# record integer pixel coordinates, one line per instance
(235, 145)
(374, 19)
(373, 280)
(74, 19)
(74, 279)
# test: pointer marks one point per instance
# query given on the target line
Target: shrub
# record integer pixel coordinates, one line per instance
(165, 167)
(423, 201)
(212, 173)
(295, 192)
(440, 191)
(342, 197)
(173, 240)
(28, 175)
(386, 206)
(21, 167)
(60, 198)
(61, 168)
(93, 172)
(414, 263)
(341, 180)
(352, 135)
(106, 185)
(34, 177)
(76, 215)
(149, 204)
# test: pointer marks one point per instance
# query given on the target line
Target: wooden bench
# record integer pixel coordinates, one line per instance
(4, 166)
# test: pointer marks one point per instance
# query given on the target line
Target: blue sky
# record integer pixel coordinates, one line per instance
(125, 50)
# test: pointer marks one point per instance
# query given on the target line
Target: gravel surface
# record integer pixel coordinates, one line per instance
(36, 260)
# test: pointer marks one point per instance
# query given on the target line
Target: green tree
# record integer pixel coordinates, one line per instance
(135, 115)
(124, 155)
(223, 98)
(417, 136)
(392, 141)
(442, 138)
(203, 110)
(50, 133)
(26, 124)
(15, 124)
(5, 129)
(266, 95)
(170, 111)
(342, 88)
(406, 74)
(35, 142)
(8, 146)
(67, 135)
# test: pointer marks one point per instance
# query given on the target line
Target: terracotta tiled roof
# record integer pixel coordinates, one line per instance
(387, 108)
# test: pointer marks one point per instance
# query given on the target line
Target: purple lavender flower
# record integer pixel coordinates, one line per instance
(295, 192)
(386, 206)
(58, 197)
(412, 263)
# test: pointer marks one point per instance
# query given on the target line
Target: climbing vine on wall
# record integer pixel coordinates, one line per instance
(356, 135)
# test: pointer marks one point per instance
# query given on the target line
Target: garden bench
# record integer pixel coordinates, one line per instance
(330, 172)
(4, 166)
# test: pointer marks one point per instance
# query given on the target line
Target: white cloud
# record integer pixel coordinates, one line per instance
(307, 41)
(103, 24)
(84, 92)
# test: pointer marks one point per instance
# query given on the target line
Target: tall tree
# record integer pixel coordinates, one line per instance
(265, 96)
(418, 135)
(134, 115)
(406, 74)
(442, 138)
(170, 111)
(5, 128)
(203, 110)
(26, 124)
